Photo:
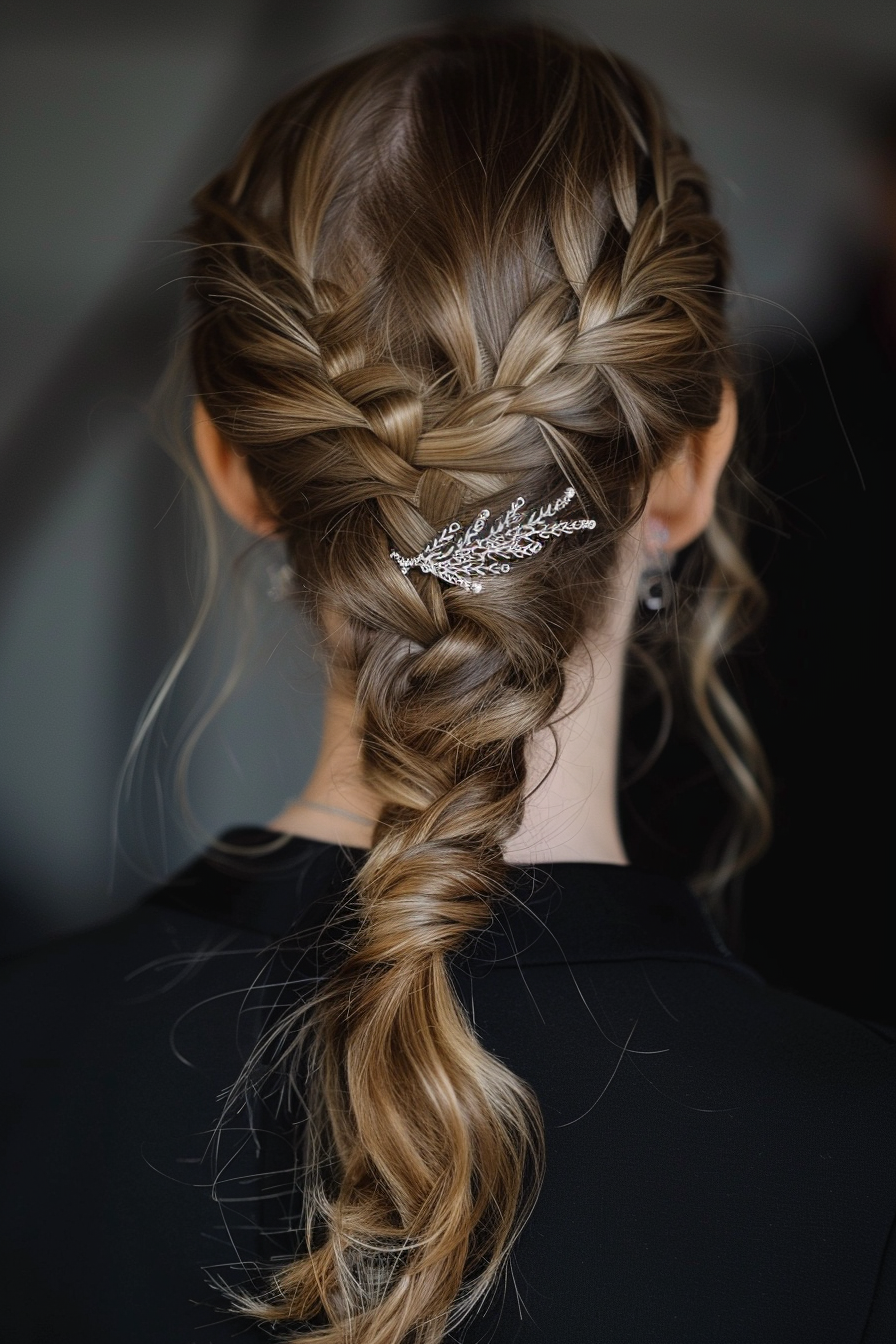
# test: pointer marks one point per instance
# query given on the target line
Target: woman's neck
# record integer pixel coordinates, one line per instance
(571, 812)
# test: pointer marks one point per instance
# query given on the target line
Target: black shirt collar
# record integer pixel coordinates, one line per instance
(274, 885)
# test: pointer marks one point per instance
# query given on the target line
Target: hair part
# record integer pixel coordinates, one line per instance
(458, 269)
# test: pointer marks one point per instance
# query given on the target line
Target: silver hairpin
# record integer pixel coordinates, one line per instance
(456, 560)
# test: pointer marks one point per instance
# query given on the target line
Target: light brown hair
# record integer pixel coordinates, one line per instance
(465, 267)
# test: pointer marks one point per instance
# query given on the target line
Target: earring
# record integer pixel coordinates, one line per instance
(281, 582)
(655, 589)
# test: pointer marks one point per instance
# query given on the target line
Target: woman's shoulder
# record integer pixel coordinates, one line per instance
(119, 1043)
(255, 887)
(243, 886)
(651, 927)
(209, 930)
(685, 1096)
(595, 966)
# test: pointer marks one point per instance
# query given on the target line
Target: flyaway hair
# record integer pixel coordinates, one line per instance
(467, 269)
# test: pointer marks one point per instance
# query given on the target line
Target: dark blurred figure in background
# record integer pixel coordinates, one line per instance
(818, 899)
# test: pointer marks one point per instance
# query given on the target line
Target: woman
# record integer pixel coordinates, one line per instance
(460, 342)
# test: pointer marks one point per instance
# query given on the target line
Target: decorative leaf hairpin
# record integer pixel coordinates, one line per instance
(461, 560)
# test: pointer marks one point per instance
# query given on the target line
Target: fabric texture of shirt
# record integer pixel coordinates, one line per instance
(720, 1156)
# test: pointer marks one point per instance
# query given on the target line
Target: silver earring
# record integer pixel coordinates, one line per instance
(281, 582)
(655, 590)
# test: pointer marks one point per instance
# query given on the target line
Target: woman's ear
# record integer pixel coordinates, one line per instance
(228, 476)
(683, 494)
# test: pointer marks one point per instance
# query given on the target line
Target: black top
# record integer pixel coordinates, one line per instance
(720, 1155)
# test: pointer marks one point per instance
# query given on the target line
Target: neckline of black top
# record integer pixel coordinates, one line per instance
(278, 885)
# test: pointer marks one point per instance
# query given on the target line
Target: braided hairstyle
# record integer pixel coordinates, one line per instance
(462, 268)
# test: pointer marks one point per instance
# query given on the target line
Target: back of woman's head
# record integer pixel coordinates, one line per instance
(465, 268)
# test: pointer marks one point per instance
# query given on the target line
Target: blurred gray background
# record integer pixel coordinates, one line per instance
(112, 115)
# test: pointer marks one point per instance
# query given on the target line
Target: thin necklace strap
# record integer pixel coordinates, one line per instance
(336, 811)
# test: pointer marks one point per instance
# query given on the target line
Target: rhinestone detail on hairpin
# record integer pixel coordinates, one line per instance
(462, 560)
